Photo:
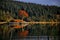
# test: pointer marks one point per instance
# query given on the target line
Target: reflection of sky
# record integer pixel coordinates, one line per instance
(49, 2)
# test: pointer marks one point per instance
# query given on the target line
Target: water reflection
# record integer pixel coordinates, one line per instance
(35, 30)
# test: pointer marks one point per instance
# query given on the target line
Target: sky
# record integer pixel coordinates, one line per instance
(43, 2)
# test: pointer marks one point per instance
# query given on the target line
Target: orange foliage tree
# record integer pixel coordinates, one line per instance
(24, 14)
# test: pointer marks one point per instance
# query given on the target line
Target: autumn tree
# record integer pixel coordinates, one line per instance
(23, 14)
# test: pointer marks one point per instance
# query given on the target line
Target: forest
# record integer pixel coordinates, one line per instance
(9, 11)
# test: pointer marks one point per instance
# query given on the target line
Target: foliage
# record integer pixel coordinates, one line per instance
(34, 12)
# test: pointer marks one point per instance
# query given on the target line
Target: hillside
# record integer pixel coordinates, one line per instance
(37, 13)
(33, 10)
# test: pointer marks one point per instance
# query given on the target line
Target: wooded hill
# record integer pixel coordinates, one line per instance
(37, 12)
